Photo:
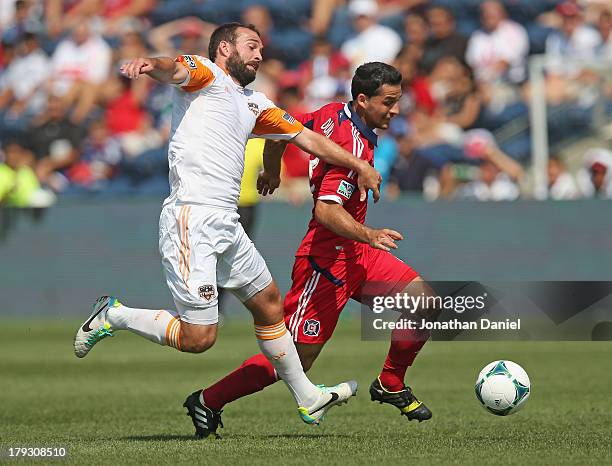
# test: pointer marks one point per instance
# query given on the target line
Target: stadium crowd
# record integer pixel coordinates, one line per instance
(71, 124)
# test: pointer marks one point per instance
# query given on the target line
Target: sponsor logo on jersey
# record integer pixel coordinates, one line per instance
(190, 62)
(253, 107)
(289, 118)
(345, 189)
(312, 327)
(206, 292)
(328, 127)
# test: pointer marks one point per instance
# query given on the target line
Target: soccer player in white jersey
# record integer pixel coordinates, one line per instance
(202, 244)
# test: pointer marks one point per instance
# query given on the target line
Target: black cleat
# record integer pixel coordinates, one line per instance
(205, 420)
(404, 400)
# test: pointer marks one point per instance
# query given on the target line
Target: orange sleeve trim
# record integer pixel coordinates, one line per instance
(276, 121)
(200, 75)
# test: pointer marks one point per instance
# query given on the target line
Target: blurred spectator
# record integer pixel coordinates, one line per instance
(444, 40)
(499, 50)
(131, 43)
(496, 178)
(7, 55)
(295, 161)
(373, 41)
(23, 21)
(55, 142)
(604, 27)
(182, 36)
(65, 15)
(561, 184)
(409, 171)
(19, 186)
(416, 32)
(100, 157)
(80, 65)
(23, 91)
(455, 92)
(595, 178)
(445, 103)
(259, 16)
(323, 11)
(324, 62)
(123, 103)
(574, 40)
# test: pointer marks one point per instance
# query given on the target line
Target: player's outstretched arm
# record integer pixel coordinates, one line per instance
(269, 179)
(334, 217)
(162, 69)
(330, 152)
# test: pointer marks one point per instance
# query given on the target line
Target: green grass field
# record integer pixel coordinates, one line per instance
(122, 404)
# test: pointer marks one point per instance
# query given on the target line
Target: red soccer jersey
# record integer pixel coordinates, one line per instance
(339, 123)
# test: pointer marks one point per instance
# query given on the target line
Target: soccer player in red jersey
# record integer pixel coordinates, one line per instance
(340, 257)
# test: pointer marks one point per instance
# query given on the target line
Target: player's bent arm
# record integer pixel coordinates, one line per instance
(269, 179)
(272, 154)
(334, 217)
(163, 69)
(330, 152)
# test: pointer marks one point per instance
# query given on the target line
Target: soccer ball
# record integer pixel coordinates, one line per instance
(503, 387)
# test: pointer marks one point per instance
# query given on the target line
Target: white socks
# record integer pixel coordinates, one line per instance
(159, 326)
(276, 345)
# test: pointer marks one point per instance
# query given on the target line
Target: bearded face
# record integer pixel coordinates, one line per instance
(242, 71)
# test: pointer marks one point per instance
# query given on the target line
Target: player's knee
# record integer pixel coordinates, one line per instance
(430, 306)
(271, 303)
(197, 341)
(198, 345)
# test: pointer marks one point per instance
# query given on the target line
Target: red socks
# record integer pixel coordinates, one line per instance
(255, 374)
(405, 345)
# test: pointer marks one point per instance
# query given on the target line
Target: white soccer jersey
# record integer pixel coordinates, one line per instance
(212, 119)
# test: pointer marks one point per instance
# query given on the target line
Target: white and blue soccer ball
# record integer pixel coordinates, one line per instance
(503, 387)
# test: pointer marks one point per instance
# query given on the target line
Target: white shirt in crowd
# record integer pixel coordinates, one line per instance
(502, 189)
(564, 188)
(90, 62)
(509, 43)
(582, 44)
(27, 73)
(376, 43)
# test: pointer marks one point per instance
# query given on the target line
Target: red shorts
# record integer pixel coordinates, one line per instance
(322, 286)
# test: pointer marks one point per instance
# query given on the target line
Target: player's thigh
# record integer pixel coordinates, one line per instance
(190, 263)
(319, 291)
(386, 275)
(244, 272)
(308, 353)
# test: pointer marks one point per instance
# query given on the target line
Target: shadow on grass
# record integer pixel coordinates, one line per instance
(173, 437)
(158, 438)
(303, 436)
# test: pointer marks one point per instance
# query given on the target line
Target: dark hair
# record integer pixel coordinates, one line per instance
(226, 32)
(370, 77)
(437, 6)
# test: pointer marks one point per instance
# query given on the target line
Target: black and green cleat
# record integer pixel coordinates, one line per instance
(205, 420)
(404, 400)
